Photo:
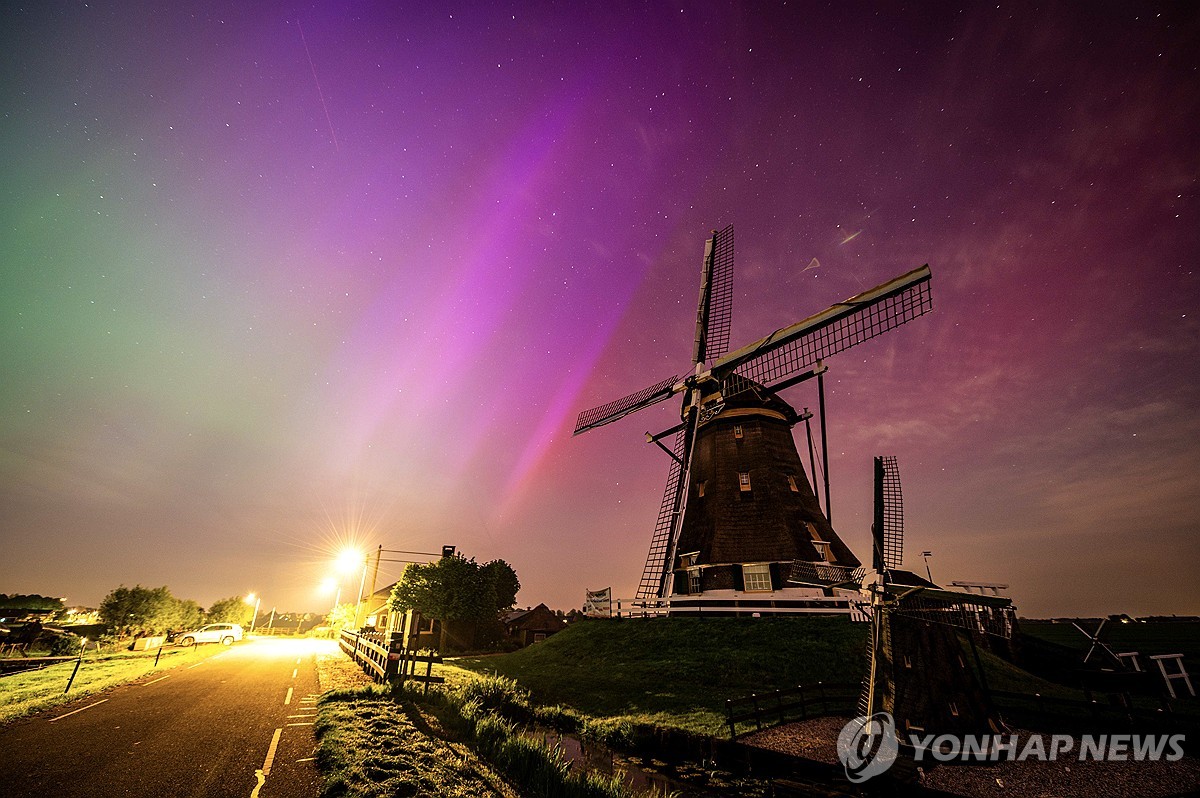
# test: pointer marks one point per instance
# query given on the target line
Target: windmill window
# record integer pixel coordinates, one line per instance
(954, 709)
(694, 587)
(700, 488)
(688, 560)
(744, 480)
(822, 550)
(757, 578)
(737, 431)
(792, 483)
(907, 661)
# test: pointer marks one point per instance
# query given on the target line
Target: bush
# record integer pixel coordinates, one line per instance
(498, 694)
(66, 645)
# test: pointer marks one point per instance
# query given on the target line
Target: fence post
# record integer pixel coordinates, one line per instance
(803, 702)
(428, 670)
(757, 711)
(78, 662)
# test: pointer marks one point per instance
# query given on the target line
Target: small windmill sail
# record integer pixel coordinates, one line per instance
(917, 669)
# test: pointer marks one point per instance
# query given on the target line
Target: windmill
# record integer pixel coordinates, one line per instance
(918, 670)
(738, 508)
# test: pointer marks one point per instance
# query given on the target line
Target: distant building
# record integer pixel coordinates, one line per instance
(532, 625)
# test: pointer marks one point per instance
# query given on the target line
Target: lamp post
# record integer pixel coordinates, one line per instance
(255, 600)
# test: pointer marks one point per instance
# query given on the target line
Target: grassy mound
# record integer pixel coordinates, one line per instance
(680, 671)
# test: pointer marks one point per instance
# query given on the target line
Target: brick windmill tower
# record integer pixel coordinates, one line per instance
(739, 512)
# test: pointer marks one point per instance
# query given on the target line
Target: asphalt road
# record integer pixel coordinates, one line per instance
(238, 724)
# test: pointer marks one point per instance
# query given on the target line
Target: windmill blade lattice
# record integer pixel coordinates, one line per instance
(715, 317)
(606, 414)
(664, 527)
(791, 350)
(893, 514)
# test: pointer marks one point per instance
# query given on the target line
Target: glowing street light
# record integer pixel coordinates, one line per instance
(255, 600)
(329, 586)
(348, 560)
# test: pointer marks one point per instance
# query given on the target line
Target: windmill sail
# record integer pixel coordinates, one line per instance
(650, 584)
(714, 312)
(791, 350)
(893, 514)
(606, 414)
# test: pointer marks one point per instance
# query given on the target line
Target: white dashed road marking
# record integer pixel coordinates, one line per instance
(81, 709)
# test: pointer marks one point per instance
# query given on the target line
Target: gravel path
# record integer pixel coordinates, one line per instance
(816, 739)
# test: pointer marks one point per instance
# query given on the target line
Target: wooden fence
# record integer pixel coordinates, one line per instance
(368, 651)
(792, 703)
(386, 662)
(1080, 716)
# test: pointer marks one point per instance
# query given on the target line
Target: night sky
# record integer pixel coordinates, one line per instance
(280, 277)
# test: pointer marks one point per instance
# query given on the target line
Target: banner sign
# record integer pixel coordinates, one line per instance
(599, 603)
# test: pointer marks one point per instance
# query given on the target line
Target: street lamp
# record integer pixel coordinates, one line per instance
(255, 600)
(329, 586)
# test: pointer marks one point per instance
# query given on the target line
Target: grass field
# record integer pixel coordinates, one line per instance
(25, 693)
(1146, 638)
(679, 671)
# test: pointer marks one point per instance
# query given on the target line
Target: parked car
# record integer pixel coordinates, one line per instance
(224, 633)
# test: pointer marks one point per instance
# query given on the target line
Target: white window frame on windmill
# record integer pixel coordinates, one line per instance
(744, 481)
(738, 432)
(695, 587)
(753, 573)
(822, 549)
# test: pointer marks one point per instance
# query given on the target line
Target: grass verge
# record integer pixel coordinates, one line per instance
(372, 746)
(24, 694)
(375, 742)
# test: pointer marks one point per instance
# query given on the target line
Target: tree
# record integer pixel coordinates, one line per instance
(31, 601)
(230, 610)
(342, 616)
(466, 597)
(185, 614)
(138, 610)
(457, 589)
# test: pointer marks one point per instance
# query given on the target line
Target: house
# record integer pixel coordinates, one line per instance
(532, 625)
(374, 612)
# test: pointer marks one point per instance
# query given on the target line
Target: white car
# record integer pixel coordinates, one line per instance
(224, 633)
